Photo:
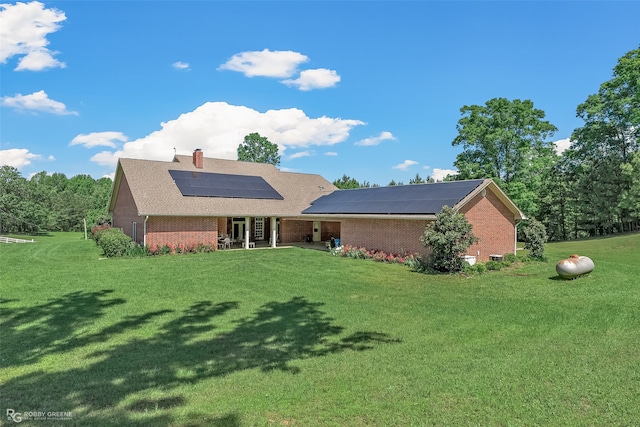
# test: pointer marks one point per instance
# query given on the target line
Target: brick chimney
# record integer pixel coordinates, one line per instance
(197, 158)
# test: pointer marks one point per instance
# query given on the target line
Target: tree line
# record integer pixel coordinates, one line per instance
(51, 202)
(591, 189)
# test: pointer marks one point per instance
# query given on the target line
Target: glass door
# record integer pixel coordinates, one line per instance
(259, 228)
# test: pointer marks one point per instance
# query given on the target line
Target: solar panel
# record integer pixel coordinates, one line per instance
(208, 184)
(401, 199)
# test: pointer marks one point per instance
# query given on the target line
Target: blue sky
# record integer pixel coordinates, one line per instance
(370, 89)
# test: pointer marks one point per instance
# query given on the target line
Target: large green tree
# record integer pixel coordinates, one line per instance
(257, 148)
(630, 196)
(507, 141)
(20, 209)
(607, 141)
(558, 202)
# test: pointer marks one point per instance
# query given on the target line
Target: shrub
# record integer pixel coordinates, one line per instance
(493, 265)
(164, 250)
(412, 261)
(535, 236)
(449, 236)
(136, 250)
(474, 269)
(480, 268)
(509, 259)
(114, 242)
(97, 230)
(524, 258)
(203, 248)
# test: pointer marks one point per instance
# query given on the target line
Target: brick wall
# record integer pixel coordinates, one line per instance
(125, 212)
(329, 230)
(492, 223)
(389, 235)
(292, 231)
(185, 230)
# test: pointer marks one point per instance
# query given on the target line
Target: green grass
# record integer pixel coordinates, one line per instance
(298, 337)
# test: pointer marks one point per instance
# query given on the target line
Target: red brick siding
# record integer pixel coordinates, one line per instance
(294, 231)
(182, 230)
(125, 212)
(389, 235)
(492, 223)
(329, 230)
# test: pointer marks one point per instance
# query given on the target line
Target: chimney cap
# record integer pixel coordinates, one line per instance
(197, 149)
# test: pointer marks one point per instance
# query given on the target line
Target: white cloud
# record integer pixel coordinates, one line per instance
(319, 78)
(37, 101)
(405, 165)
(96, 139)
(109, 158)
(17, 157)
(218, 128)
(330, 153)
(265, 63)
(180, 65)
(23, 33)
(111, 176)
(562, 145)
(368, 142)
(441, 174)
(300, 154)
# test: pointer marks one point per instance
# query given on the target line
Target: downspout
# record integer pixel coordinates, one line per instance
(144, 236)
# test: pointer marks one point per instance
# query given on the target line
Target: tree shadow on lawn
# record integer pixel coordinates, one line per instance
(30, 333)
(184, 351)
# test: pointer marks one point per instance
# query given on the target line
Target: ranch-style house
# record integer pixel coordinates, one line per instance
(195, 200)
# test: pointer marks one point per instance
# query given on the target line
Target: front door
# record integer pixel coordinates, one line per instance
(238, 229)
(317, 233)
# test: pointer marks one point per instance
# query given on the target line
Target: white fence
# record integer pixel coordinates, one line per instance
(12, 240)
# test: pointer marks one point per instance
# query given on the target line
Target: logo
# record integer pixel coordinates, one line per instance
(14, 416)
(18, 417)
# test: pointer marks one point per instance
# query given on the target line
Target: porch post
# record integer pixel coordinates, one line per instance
(247, 231)
(274, 231)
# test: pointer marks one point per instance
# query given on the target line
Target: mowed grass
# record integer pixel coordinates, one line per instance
(298, 337)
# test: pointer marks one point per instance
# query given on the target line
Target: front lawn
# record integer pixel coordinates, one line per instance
(298, 337)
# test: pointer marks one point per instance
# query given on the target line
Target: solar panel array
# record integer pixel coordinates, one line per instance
(402, 199)
(207, 184)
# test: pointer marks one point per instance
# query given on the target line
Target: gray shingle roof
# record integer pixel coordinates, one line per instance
(155, 192)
